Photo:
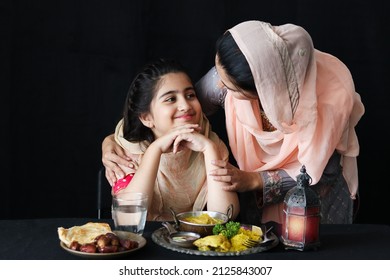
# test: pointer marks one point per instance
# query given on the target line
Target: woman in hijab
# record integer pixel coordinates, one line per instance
(286, 105)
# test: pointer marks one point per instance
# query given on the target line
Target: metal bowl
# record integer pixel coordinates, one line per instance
(181, 238)
(202, 229)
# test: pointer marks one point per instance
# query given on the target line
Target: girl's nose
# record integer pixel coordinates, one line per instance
(184, 105)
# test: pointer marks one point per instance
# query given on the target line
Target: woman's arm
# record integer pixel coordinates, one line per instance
(276, 183)
(112, 157)
(270, 186)
(236, 179)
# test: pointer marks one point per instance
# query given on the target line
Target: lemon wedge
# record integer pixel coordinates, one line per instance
(257, 230)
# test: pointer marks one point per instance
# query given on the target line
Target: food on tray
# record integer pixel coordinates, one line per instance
(217, 243)
(228, 238)
(94, 238)
(242, 236)
(203, 219)
(229, 230)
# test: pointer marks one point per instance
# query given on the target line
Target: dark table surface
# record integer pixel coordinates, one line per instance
(37, 239)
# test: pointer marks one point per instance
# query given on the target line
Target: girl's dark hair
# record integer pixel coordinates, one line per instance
(139, 97)
(234, 62)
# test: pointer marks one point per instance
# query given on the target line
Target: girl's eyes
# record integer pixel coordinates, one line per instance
(170, 99)
(189, 96)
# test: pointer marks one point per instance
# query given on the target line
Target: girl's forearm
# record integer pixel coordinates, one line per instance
(145, 176)
(218, 199)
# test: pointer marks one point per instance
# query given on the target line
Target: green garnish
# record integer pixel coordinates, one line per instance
(229, 229)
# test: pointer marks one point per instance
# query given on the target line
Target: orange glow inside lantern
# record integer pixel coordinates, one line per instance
(301, 216)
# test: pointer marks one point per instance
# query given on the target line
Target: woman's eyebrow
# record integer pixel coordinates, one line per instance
(228, 87)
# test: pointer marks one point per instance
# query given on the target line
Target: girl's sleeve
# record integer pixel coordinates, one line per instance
(210, 96)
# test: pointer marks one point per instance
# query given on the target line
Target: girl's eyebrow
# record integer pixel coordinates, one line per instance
(167, 93)
(175, 92)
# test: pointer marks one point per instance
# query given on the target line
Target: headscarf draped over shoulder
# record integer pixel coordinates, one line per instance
(307, 95)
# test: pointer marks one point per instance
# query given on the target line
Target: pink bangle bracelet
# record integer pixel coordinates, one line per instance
(122, 183)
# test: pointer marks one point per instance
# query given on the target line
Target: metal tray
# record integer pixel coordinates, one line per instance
(161, 237)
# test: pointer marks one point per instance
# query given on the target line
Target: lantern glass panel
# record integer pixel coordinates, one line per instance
(296, 228)
(297, 210)
(312, 229)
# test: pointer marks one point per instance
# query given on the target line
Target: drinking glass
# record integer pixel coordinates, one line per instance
(129, 211)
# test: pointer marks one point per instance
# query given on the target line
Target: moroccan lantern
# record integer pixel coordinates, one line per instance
(301, 215)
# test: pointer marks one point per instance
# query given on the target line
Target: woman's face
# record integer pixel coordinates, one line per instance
(174, 104)
(233, 89)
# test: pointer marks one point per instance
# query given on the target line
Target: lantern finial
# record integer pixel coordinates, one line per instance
(303, 179)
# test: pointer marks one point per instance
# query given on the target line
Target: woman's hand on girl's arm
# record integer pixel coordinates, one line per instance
(238, 180)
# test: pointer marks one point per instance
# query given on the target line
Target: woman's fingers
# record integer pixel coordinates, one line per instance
(111, 163)
(111, 178)
(220, 163)
(112, 159)
(225, 173)
(225, 179)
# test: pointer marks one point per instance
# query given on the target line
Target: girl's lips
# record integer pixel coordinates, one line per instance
(185, 117)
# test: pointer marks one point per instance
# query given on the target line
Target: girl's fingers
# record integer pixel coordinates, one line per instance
(176, 143)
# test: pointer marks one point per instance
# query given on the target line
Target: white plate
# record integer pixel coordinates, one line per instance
(121, 234)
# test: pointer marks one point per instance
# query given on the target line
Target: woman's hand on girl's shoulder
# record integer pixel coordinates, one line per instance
(113, 157)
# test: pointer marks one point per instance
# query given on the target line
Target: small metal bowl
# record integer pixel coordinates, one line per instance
(180, 238)
(202, 229)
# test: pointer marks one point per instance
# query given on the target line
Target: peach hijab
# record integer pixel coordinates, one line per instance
(307, 95)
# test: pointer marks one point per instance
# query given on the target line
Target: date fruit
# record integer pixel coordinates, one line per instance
(88, 248)
(105, 243)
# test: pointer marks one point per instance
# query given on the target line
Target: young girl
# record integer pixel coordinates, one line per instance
(165, 133)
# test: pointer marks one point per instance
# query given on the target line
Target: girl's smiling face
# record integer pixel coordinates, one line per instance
(174, 104)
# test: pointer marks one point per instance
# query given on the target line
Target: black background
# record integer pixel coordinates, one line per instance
(66, 67)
